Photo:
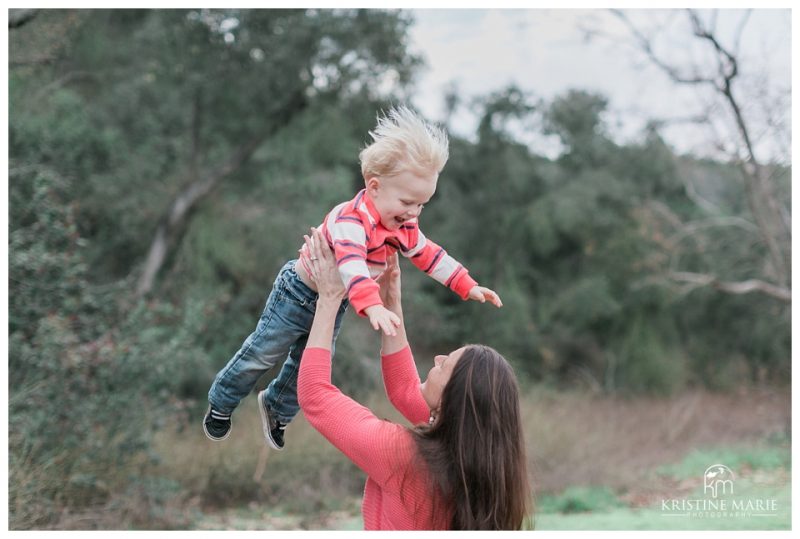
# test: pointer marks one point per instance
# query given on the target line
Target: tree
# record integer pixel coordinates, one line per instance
(769, 213)
(210, 87)
(325, 53)
(131, 111)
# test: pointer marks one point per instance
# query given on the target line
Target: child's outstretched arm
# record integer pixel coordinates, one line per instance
(434, 260)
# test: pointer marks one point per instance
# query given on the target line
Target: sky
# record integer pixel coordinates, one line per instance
(545, 52)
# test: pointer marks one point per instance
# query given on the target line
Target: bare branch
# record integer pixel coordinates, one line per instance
(692, 228)
(697, 198)
(663, 210)
(742, 287)
(767, 212)
(39, 60)
(19, 17)
(62, 81)
(737, 40)
(647, 48)
(713, 24)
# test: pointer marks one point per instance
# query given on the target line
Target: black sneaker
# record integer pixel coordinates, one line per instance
(273, 429)
(216, 425)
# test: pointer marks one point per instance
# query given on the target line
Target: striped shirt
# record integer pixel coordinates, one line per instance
(362, 244)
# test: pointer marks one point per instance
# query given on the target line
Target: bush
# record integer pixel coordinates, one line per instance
(90, 377)
(648, 365)
(580, 500)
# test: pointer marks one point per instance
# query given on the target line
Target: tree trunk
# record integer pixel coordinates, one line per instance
(19, 17)
(176, 217)
(179, 210)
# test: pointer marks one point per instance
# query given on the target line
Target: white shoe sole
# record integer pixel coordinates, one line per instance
(265, 421)
(206, 432)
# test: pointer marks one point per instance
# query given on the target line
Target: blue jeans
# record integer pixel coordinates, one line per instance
(282, 331)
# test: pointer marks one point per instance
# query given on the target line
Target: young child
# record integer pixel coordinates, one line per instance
(400, 170)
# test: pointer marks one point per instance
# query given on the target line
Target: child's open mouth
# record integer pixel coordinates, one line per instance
(399, 220)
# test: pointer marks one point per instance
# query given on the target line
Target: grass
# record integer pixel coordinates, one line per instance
(763, 472)
(598, 461)
(593, 439)
(768, 456)
(655, 519)
(580, 499)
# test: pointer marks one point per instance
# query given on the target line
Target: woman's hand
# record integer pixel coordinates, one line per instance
(389, 282)
(322, 266)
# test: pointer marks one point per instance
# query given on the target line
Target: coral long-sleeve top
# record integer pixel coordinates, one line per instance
(397, 494)
(361, 245)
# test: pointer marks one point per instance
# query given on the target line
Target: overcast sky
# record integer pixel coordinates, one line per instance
(545, 52)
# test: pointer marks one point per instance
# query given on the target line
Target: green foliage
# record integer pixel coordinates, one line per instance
(84, 374)
(739, 459)
(647, 364)
(576, 119)
(580, 500)
(133, 105)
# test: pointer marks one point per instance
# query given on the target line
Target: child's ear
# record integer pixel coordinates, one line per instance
(373, 185)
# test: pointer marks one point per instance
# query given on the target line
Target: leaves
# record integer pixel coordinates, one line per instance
(136, 105)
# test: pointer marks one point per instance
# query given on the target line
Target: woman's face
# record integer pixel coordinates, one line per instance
(438, 377)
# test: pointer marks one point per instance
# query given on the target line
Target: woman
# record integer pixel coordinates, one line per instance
(462, 466)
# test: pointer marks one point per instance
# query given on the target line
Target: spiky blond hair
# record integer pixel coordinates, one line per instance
(402, 141)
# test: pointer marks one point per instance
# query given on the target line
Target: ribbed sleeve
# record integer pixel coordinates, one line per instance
(371, 443)
(434, 260)
(397, 493)
(402, 383)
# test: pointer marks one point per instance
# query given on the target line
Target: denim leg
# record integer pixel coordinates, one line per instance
(282, 391)
(284, 321)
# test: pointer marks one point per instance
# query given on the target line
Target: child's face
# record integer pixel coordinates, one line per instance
(400, 198)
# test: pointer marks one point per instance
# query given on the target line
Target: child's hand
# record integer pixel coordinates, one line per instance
(481, 293)
(382, 318)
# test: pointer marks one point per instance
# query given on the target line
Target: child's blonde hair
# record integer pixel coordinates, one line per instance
(404, 141)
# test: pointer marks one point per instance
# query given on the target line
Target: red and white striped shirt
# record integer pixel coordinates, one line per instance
(361, 245)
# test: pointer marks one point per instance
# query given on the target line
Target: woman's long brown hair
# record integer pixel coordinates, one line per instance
(475, 453)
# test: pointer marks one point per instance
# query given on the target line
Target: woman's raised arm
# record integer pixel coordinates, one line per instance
(400, 376)
(390, 294)
(371, 443)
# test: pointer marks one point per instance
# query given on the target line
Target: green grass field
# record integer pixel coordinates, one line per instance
(763, 474)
